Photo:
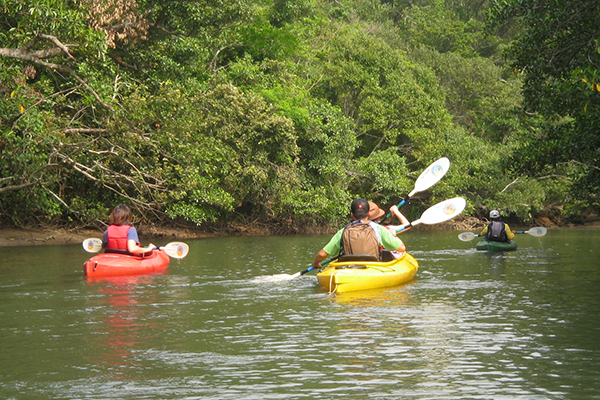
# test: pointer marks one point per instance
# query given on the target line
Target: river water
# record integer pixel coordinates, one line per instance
(220, 325)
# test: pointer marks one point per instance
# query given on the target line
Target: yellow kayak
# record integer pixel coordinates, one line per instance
(346, 275)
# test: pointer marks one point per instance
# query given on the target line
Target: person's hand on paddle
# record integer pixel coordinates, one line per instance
(133, 247)
(151, 247)
(404, 222)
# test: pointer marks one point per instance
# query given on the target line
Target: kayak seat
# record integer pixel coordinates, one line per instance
(356, 257)
(353, 266)
(386, 255)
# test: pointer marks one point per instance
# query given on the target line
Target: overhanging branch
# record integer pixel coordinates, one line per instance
(37, 57)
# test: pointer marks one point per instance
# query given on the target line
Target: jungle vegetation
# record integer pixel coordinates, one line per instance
(282, 111)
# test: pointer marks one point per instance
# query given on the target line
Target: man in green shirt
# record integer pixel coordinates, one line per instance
(360, 236)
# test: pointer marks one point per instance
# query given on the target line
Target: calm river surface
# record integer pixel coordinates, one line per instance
(516, 325)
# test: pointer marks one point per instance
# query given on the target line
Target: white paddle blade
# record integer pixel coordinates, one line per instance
(443, 211)
(92, 245)
(537, 231)
(467, 236)
(431, 175)
(176, 249)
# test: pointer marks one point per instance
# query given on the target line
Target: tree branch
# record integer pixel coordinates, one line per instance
(510, 184)
(31, 181)
(37, 57)
(84, 130)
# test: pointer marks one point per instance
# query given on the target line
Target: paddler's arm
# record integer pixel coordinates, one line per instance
(404, 222)
(134, 248)
(320, 256)
(333, 247)
(133, 243)
(510, 234)
(391, 242)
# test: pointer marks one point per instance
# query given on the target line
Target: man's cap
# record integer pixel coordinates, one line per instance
(360, 208)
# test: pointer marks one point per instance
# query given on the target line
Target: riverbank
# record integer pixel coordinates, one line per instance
(14, 237)
(35, 237)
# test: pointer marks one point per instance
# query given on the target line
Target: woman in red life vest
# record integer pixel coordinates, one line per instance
(120, 236)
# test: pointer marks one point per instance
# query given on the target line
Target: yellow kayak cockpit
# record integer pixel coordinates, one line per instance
(350, 273)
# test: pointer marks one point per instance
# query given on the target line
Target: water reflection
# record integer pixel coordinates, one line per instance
(121, 321)
(384, 297)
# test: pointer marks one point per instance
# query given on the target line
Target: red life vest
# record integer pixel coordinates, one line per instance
(117, 237)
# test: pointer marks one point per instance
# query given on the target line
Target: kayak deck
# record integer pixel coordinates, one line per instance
(496, 246)
(346, 276)
(114, 264)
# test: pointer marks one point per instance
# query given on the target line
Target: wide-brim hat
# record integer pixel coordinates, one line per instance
(375, 212)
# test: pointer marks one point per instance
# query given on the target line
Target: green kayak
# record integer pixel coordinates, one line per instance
(496, 246)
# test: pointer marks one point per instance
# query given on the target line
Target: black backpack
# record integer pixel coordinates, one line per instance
(496, 232)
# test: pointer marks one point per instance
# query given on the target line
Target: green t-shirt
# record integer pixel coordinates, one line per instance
(388, 241)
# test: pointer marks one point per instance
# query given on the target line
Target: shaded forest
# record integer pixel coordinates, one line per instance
(280, 112)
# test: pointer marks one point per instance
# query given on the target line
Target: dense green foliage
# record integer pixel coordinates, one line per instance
(283, 111)
(558, 55)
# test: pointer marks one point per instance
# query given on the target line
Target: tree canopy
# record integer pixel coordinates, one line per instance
(558, 56)
(282, 111)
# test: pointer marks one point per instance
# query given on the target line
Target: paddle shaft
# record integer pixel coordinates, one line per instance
(537, 232)
(322, 264)
(531, 232)
(402, 202)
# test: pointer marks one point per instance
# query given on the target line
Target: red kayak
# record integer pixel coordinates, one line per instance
(113, 264)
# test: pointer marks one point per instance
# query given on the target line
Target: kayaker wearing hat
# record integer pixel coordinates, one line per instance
(361, 236)
(376, 213)
(497, 231)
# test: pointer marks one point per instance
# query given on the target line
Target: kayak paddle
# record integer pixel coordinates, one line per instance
(432, 174)
(537, 231)
(92, 245)
(322, 263)
(173, 249)
(440, 212)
